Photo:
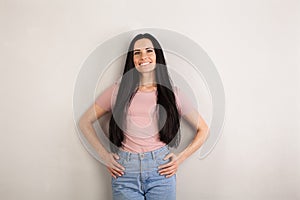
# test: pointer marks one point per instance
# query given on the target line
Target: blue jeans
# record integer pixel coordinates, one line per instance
(141, 179)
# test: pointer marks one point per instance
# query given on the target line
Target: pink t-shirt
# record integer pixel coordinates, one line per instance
(141, 132)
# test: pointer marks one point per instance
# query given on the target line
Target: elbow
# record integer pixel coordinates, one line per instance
(204, 131)
(82, 123)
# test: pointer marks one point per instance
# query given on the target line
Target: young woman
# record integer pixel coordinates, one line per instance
(146, 110)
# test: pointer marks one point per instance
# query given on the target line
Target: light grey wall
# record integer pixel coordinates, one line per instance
(254, 45)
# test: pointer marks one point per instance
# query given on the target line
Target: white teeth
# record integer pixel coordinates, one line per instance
(142, 64)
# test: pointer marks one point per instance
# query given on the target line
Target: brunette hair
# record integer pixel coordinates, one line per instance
(170, 130)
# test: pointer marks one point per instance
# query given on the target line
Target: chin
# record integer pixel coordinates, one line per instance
(143, 70)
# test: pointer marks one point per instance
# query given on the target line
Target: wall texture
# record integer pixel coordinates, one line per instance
(254, 45)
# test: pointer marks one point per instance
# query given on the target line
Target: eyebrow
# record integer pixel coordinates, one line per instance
(145, 48)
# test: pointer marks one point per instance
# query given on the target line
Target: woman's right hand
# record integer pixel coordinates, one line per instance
(86, 126)
(114, 168)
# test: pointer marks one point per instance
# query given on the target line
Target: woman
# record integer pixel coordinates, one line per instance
(145, 122)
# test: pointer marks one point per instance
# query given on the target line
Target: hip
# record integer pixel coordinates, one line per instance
(143, 162)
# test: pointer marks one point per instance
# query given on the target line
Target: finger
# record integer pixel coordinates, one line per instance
(113, 175)
(118, 170)
(168, 170)
(116, 156)
(166, 165)
(111, 172)
(109, 169)
(168, 176)
(118, 166)
(169, 156)
(117, 173)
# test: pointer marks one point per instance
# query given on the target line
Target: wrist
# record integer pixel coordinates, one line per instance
(103, 154)
(181, 157)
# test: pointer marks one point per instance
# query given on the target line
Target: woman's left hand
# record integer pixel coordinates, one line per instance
(170, 168)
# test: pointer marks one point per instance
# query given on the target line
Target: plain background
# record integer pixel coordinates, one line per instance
(254, 45)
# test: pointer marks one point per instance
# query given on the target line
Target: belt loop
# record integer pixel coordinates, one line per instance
(128, 156)
(153, 155)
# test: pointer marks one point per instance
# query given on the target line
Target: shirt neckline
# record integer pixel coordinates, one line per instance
(147, 91)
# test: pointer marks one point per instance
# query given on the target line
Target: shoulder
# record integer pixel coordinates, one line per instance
(107, 97)
(177, 94)
(183, 101)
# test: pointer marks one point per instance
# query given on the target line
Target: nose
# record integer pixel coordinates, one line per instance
(143, 54)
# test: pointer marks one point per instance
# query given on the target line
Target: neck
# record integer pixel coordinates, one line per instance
(147, 79)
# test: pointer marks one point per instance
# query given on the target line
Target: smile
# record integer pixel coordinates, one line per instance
(143, 64)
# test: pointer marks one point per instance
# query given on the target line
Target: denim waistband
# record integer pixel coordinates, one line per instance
(145, 155)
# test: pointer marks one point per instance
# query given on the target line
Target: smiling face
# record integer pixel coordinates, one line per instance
(144, 56)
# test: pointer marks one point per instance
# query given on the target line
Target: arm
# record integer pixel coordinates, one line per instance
(202, 132)
(196, 121)
(86, 126)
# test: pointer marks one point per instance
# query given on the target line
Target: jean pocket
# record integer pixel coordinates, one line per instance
(160, 159)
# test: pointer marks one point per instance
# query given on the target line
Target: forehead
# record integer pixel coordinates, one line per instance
(143, 43)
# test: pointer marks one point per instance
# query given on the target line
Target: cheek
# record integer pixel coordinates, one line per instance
(135, 61)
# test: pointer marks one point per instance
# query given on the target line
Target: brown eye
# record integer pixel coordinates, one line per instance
(136, 53)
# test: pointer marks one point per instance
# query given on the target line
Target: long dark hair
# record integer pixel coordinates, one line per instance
(170, 130)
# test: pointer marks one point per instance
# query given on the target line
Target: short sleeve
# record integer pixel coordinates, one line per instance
(184, 103)
(107, 98)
